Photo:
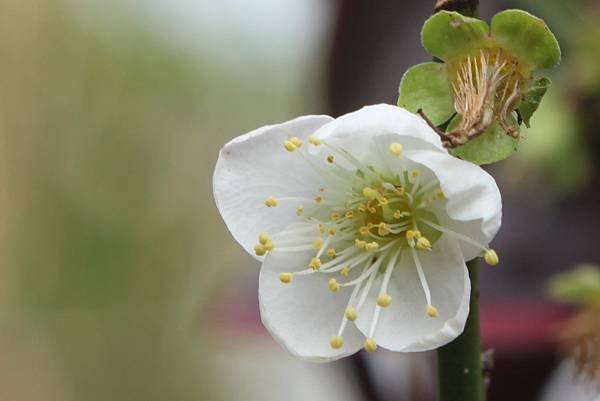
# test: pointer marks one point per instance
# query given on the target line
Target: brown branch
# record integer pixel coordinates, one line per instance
(465, 7)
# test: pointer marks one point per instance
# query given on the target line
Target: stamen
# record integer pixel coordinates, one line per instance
(299, 210)
(491, 257)
(313, 140)
(370, 345)
(336, 342)
(396, 149)
(271, 202)
(383, 299)
(456, 235)
(285, 278)
(333, 285)
(422, 277)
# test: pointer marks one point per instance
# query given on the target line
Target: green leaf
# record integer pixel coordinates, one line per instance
(447, 34)
(527, 37)
(532, 98)
(490, 147)
(427, 86)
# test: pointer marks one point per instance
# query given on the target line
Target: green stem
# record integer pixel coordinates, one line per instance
(460, 376)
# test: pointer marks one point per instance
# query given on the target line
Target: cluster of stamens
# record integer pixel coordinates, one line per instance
(357, 227)
(487, 88)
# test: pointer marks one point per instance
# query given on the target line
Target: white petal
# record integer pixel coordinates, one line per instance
(404, 325)
(254, 167)
(304, 314)
(354, 131)
(473, 198)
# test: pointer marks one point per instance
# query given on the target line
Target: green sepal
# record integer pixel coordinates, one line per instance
(427, 86)
(490, 147)
(526, 37)
(447, 34)
(532, 98)
(579, 286)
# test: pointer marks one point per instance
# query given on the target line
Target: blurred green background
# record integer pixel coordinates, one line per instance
(118, 280)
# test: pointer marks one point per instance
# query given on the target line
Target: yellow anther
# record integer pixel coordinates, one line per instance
(384, 300)
(330, 159)
(361, 208)
(350, 214)
(383, 200)
(370, 225)
(351, 313)
(335, 216)
(271, 202)
(491, 257)
(333, 285)
(285, 278)
(370, 193)
(269, 246)
(290, 146)
(372, 209)
(315, 263)
(331, 253)
(336, 342)
(299, 210)
(259, 250)
(397, 214)
(399, 190)
(370, 345)
(418, 234)
(371, 246)
(345, 271)
(364, 231)
(439, 194)
(360, 244)
(331, 231)
(383, 229)
(423, 244)
(432, 311)
(318, 243)
(410, 234)
(318, 199)
(414, 174)
(296, 141)
(396, 148)
(321, 228)
(263, 238)
(313, 140)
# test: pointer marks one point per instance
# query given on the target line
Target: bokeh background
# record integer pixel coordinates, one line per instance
(119, 281)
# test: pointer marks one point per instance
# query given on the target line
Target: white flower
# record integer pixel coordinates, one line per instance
(363, 224)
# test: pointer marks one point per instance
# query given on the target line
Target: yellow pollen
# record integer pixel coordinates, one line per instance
(384, 300)
(369, 225)
(439, 194)
(383, 229)
(364, 231)
(335, 216)
(331, 253)
(370, 345)
(259, 250)
(321, 228)
(410, 234)
(269, 246)
(491, 257)
(336, 342)
(315, 263)
(371, 246)
(296, 141)
(330, 159)
(263, 238)
(271, 202)
(361, 208)
(331, 231)
(423, 244)
(414, 173)
(372, 209)
(417, 234)
(432, 311)
(370, 193)
(299, 210)
(318, 243)
(397, 214)
(333, 285)
(350, 214)
(383, 200)
(285, 278)
(318, 199)
(360, 244)
(345, 271)
(290, 146)
(351, 314)
(313, 140)
(399, 190)
(396, 148)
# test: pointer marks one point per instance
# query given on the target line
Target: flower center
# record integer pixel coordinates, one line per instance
(358, 226)
(486, 89)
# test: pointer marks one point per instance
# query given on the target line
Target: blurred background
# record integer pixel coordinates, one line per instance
(118, 280)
